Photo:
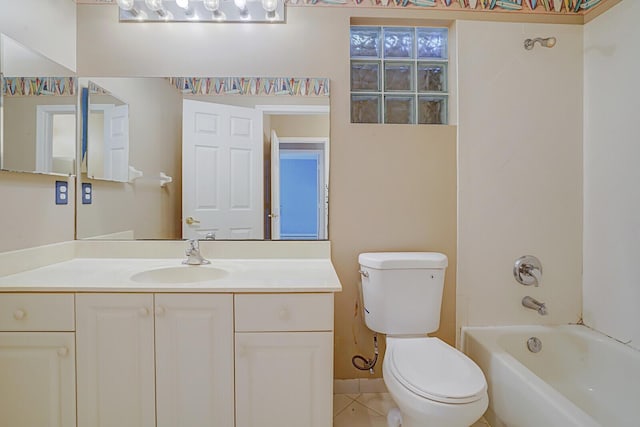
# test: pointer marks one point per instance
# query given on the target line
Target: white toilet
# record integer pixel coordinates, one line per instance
(432, 383)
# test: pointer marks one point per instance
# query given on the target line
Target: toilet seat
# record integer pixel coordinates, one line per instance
(434, 370)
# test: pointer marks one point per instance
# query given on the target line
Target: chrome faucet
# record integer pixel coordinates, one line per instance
(193, 254)
(534, 304)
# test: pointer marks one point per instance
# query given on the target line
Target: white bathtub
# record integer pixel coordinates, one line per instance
(580, 377)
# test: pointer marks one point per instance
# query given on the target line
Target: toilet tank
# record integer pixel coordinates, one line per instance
(402, 291)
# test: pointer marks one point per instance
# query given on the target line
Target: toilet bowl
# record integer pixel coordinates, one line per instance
(432, 383)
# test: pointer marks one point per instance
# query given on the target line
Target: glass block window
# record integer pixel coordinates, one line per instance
(399, 75)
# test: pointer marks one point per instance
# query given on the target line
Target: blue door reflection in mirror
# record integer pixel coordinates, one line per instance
(302, 191)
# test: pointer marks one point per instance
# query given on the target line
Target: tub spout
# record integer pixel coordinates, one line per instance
(534, 304)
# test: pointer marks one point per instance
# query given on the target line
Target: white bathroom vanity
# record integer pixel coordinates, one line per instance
(98, 334)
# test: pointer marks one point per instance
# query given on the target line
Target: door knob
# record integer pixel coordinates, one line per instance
(272, 215)
(191, 220)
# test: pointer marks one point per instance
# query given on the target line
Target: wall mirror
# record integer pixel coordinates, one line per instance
(38, 99)
(107, 127)
(207, 162)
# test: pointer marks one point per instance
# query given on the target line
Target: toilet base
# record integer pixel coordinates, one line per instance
(394, 418)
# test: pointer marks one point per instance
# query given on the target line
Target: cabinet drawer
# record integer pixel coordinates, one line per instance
(283, 312)
(36, 312)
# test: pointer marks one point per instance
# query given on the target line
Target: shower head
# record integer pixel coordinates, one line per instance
(548, 42)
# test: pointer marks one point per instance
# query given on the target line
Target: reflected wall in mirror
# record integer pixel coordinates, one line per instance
(38, 99)
(107, 127)
(271, 185)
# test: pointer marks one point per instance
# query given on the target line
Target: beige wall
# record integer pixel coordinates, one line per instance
(611, 173)
(28, 214)
(47, 27)
(520, 171)
(155, 135)
(297, 125)
(392, 187)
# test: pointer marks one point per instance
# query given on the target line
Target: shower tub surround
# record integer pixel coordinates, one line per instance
(579, 377)
(110, 332)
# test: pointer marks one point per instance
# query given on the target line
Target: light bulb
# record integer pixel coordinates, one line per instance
(155, 5)
(184, 4)
(270, 5)
(125, 4)
(271, 16)
(550, 42)
(211, 5)
(240, 4)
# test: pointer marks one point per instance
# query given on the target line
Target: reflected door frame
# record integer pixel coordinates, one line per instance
(273, 218)
(44, 133)
(296, 146)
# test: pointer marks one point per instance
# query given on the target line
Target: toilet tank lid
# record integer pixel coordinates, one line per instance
(401, 260)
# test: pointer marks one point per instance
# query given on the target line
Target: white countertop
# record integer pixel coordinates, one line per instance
(114, 275)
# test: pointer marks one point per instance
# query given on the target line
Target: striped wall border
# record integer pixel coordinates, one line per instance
(39, 86)
(253, 86)
(526, 6)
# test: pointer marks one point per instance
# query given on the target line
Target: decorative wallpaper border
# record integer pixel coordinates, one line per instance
(94, 89)
(254, 86)
(527, 6)
(39, 86)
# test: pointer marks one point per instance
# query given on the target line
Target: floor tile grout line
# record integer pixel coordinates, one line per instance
(369, 407)
(348, 404)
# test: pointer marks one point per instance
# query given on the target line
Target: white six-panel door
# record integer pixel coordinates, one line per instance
(37, 379)
(194, 360)
(222, 165)
(116, 143)
(115, 360)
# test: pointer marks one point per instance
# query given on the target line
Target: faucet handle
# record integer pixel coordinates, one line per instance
(528, 270)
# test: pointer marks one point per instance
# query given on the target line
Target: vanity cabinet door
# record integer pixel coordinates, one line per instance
(284, 379)
(37, 379)
(115, 360)
(194, 360)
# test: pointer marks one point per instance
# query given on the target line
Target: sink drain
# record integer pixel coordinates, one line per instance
(534, 344)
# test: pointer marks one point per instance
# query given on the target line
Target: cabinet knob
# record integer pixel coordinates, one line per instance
(144, 311)
(19, 314)
(63, 351)
(160, 310)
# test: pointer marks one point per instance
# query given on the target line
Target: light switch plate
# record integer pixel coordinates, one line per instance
(62, 193)
(87, 193)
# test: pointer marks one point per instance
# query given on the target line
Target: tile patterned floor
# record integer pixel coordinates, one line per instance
(367, 410)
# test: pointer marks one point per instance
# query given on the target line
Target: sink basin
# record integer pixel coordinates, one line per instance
(183, 274)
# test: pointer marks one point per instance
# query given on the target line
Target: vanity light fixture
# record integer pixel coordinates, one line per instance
(213, 6)
(267, 11)
(545, 42)
(157, 7)
(129, 6)
(270, 7)
(184, 5)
